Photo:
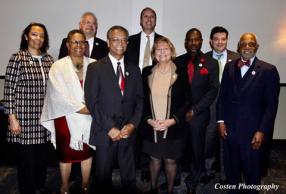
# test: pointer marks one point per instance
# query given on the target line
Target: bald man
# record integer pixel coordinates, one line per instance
(246, 110)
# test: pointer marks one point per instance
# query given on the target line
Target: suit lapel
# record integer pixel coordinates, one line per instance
(249, 75)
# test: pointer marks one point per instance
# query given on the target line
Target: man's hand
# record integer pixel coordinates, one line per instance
(222, 130)
(114, 134)
(127, 130)
(257, 140)
(189, 115)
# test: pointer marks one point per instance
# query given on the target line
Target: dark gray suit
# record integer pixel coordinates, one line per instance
(110, 109)
(212, 162)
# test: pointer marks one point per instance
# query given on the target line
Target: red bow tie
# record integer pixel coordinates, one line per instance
(241, 63)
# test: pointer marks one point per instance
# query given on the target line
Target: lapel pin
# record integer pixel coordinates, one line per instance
(200, 65)
(127, 73)
(229, 60)
(96, 44)
(253, 73)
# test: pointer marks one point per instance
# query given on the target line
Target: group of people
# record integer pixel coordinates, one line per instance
(133, 101)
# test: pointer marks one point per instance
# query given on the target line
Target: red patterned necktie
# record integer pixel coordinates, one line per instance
(191, 70)
(120, 77)
(241, 63)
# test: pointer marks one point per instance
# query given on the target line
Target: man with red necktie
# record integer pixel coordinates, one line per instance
(246, 110)
(114, 97)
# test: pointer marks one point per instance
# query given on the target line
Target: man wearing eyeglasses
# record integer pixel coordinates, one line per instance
(246, 110)
(114, 97)
(96, 48)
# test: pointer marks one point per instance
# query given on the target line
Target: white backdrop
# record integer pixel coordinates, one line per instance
(264, 17)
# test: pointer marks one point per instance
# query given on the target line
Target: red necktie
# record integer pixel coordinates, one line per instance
(191, 70)
(120, 77)
(241, 63)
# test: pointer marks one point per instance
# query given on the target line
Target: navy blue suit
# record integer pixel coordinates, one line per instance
(247, 105)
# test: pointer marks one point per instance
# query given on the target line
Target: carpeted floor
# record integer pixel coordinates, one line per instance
(276, 175)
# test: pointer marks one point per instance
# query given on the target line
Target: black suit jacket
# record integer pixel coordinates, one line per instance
(178, 101)
(248, 104)
(133, 48)
(105, 102)
(99, 49)
(204, 87)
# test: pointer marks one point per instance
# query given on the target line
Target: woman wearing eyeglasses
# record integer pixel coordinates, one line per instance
(65, 114)
(165, 102)
(24, 92)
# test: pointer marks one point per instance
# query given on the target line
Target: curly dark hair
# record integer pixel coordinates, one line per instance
(24, 42)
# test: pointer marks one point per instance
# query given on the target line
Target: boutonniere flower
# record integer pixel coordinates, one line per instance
(253, 73)
(204, 71)
(126, 73)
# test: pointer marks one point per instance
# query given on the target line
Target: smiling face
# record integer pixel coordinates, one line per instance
(163, 52)
(247, 46)
(193, 42)
(148, 21)
(76, 45)
(88, 25)
(35, 39)
(219, 42)
(117, 43)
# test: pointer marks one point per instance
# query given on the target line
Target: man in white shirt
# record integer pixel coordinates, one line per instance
(136, 49)
(218, 43)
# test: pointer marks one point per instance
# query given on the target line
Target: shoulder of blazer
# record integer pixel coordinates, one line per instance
(209, 53)
(99, 41)
(232, 55)
(135, 37)
(157, 36)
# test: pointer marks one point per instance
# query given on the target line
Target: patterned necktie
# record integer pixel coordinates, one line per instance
(191, 69)
(120, 77)
(147, 53)
(220, 65)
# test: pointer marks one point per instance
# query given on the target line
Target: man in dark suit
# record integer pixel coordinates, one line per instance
(136, 49)
(246, 110)
(115, 101)
(203, 77)
(97, 48)
(218, 43)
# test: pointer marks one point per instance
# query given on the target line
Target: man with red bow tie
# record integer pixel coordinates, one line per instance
(246, 110)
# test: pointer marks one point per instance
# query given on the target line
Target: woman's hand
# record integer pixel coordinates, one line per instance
(84, 110)
(153, 123)
(14, 125)
(165, 124)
